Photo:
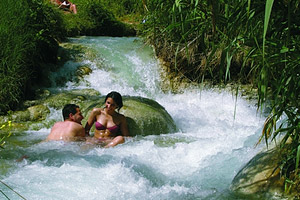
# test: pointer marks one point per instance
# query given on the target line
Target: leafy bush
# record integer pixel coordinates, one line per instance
(249, 41)
(29, 30)
(29, 34)
(126, 10)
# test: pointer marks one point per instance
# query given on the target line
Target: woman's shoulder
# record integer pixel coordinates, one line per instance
(97, 110)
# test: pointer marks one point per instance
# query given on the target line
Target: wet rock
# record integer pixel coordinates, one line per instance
(42, 93)
(33, 113)
(147, 117)
(59, 100)
(260, 176)
(89, 93)
(144, 116)
(38, 112)
(3, 119)
(83, 71)
(20, 116)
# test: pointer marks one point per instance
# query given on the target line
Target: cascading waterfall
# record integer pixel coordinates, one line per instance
(217, 137)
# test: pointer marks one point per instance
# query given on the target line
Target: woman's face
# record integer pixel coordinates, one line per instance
(110, 104)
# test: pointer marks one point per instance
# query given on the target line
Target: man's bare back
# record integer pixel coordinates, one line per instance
(67, 131)
(70, 129)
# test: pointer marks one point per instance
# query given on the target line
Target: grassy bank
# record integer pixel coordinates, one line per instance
(95, 18)
(30, 31)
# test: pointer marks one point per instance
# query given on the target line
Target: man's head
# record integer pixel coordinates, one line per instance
(72, 112)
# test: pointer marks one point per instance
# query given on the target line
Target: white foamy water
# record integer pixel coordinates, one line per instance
(198, 162)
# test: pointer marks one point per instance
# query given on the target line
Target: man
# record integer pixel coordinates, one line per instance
(70, 129)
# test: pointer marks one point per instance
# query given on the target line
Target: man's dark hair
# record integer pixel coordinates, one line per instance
(69, 108)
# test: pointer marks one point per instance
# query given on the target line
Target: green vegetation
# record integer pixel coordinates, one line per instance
(245, 41)
(94, 19)
(130, 11)
(29, 34)
(8, 126)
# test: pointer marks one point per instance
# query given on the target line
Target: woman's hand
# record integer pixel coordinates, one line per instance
(91, 120)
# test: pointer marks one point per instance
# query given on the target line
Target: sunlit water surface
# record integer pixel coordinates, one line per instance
(198, 162)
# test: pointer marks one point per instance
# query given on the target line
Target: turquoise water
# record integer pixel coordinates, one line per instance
(198, 162)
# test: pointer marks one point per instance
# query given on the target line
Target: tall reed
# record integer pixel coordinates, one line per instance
(246, 41)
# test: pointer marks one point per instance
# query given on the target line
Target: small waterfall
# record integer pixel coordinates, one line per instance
(197, 162)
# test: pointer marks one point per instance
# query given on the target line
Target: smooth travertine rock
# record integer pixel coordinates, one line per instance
(260, 175)
(144, 116)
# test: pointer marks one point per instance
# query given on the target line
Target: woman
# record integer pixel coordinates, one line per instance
(66, 4)
(108, 122)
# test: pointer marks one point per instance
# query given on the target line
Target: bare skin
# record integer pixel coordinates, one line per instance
(108, 117)
(68, 130)
(66, 4)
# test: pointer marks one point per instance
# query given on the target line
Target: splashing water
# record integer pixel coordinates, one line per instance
(198, 162)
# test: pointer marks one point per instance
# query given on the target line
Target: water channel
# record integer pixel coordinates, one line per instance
(216, 138)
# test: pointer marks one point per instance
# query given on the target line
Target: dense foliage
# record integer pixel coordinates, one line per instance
(247, 41)
(28, 33)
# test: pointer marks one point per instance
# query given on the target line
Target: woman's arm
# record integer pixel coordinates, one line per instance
(124, 127)
(91, 120)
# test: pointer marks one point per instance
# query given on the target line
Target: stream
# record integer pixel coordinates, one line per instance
(216, 138)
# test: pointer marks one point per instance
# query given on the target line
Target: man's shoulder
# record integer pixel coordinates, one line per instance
(76, 126)
(58, 124)
(68, 124)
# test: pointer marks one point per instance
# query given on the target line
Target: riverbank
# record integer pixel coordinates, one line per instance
(243, 42)
(31, 42)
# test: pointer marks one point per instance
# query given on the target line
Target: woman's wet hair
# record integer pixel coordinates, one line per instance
(69, 108)
(116, 96)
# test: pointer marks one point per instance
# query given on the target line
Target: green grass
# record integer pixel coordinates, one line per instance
(95, 18)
